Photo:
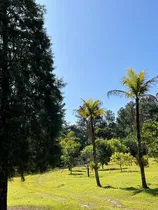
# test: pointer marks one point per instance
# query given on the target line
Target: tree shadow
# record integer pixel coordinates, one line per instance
(130, 171)
(132, 189)
(108, 187)
(111, 169)
(135, 191)
(152, 191)
(29, 208)
(79, 170)
(76, 174)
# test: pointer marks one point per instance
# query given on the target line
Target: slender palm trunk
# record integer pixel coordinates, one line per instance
(94, 155)
(140, 155)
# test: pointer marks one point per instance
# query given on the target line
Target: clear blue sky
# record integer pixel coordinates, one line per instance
(95, 41)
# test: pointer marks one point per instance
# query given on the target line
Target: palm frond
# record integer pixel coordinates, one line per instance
(131, 73)
(151, 82)
(99, 112)
(125, 81)
(142, 75)
(131, 80)
(81, 112)
(96, 104)
(118, 93)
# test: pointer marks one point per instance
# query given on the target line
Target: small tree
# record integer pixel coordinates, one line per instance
(70, 150)
(117, 146)
(122, 159)
(87, 156)
(104, 151)
(150, 137)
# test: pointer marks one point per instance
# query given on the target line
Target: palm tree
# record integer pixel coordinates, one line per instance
(137, 87)
(90, 110)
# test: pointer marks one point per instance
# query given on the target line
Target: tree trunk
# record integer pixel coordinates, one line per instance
(140, 154)
(102, 166)
(3, 190)
(94, 154)
(88, 171)
(121, 167)
(70, 169)
(4, 110)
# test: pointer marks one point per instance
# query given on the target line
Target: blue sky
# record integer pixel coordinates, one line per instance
(95, 41)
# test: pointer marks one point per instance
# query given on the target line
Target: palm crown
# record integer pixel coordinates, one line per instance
(137, 85)
(90, 109)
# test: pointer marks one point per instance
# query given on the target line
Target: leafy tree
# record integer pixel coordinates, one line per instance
(31, 107)
(131, 143)
(138, 88)
(107, 132)
(106, 127)
(109, 117)
(87, 156)
(90, 110)
(125, 122)
(122, 159)
(81, 134)
(148, 110)
(150, 137)
(117, 146)
(104, 151)
(70, 150)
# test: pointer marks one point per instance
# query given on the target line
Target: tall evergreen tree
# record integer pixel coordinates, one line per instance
(31, 107)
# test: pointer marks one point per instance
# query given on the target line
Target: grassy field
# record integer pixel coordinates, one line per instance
(59, 190)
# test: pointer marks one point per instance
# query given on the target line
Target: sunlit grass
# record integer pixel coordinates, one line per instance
(59, 190)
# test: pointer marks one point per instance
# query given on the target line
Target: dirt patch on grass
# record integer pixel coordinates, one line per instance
(115, 203)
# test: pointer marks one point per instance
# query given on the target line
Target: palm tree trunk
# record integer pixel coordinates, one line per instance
(140, 155)
(94, 154)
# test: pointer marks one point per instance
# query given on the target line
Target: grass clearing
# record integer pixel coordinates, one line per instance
(59, 190)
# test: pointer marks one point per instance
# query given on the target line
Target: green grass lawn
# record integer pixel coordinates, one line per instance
(59, 190)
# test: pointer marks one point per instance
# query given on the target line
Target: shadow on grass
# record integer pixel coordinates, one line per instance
(152, 191)
(135, 191)
(29, 208)
(111, 169)
(132, 171)
(79, 170)
(76, 174)
(132, 189)
(109, 187)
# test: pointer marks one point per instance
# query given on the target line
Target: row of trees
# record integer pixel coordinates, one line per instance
(108, 126)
